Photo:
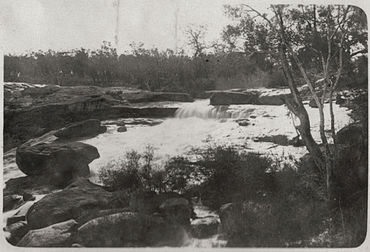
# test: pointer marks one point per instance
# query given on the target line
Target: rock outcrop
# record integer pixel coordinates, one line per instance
(227, 98)
(57, 235)
(146, 96)
(71, 203)
(33, 111)
(267, 99)
(274, 97)
(87, 128)
(59, 162)
(128, 229)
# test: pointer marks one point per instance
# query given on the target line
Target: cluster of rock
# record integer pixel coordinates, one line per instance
(51, 107)
(85, 214)
(76, 212)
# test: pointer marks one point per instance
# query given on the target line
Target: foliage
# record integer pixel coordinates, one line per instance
(149, 69)
(134, 172)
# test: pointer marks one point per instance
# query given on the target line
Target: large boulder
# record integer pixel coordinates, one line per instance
(73, 202)
(352, 134)
(57, 235)
(87, 128)
(228, 98)
(128, 229)
(59, 162)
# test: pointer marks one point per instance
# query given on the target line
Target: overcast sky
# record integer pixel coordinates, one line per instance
(28, 25)
(66, 24)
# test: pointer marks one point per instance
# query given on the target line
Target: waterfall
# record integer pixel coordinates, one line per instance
(202, 109)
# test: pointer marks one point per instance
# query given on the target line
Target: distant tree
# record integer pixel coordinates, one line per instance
(196, 36)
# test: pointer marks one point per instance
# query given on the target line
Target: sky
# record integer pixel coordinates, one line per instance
(28, 25)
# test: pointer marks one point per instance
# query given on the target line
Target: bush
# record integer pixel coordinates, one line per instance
(277, 204)
(134, 172)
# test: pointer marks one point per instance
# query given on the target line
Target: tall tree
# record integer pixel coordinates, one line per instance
(311, 43)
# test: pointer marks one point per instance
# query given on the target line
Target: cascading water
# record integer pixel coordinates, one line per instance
(202, 109)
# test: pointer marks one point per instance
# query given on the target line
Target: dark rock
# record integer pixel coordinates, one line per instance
(243, 122)
(267, 99)
(350, 174)
(122, 129)
(146, 96)
(28, 197)
(130, 230)
(60, 162)
(16, 231)
(296, 141)
(39, 92)
(29, 184)
(73, 202)
(57, 235)
(21, 214)
(227, 98)
(352, 134)
(95, 213)
(177, 210)
(204, 227)
(253, 116)
(145, 202)
(276, 139)
(87, 128)
(11, 202)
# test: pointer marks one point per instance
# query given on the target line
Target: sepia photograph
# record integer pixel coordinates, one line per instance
(184, 124)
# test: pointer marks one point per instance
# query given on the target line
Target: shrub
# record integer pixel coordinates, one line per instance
(134, 172)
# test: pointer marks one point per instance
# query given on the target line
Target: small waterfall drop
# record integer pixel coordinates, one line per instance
(202, 109)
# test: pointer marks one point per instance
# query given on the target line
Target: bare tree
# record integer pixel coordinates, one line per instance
(196, 41)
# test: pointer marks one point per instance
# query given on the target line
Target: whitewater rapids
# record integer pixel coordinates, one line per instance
(198, 124)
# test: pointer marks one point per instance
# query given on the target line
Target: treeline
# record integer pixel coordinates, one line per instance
(149, 69)
(155, 70)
